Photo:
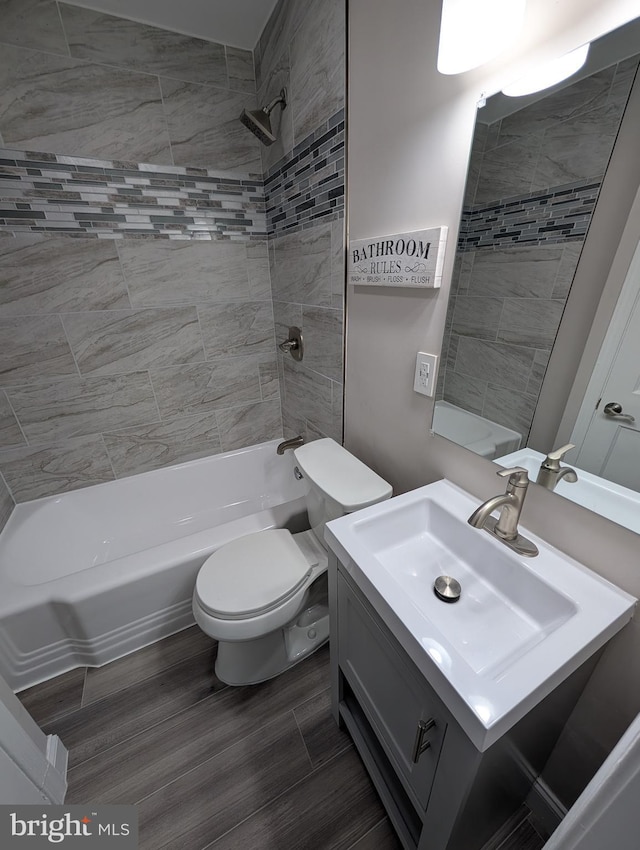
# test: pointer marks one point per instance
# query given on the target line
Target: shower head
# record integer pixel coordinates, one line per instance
(259, 121)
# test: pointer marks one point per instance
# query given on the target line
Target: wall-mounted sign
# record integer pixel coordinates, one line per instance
(405, 259)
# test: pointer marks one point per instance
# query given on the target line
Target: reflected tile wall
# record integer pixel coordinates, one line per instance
(533, 183)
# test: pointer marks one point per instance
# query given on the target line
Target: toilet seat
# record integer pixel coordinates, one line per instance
(252, 575)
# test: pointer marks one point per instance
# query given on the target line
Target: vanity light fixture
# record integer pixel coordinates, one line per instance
(474, 31)
(549, 74)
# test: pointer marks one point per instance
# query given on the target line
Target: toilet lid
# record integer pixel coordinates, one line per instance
(252, 574)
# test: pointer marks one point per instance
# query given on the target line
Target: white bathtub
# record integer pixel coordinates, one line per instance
(480, 435)
(91, 575)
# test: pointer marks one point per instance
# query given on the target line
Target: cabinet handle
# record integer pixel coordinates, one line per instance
(420, 744)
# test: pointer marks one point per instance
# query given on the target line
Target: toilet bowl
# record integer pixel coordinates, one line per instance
(263, 597)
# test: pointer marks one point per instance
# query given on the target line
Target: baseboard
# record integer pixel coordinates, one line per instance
(546, 809)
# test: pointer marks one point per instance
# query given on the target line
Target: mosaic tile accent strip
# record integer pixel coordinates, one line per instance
(307, 186)
(547, 216)
(51, 193)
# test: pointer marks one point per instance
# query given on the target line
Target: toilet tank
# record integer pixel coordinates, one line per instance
(338, 482)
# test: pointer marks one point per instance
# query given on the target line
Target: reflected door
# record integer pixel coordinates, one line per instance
(611, 447)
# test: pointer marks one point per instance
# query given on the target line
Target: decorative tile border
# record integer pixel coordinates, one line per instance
(548, 216)
(307, 186)
(51, 193)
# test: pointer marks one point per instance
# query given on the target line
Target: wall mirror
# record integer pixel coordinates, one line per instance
(536, 170)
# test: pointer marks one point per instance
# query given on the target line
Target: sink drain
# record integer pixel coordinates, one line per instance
(447, 589)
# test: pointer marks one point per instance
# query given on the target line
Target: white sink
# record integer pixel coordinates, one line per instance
(606, 498)
(520, 627)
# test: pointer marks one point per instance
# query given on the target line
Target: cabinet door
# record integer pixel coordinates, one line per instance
(401, 707)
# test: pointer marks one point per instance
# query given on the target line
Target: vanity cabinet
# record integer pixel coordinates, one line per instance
(440, 792)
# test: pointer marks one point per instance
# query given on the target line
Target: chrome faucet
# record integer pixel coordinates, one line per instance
(551, 472)
(505, 528)
(293, 443)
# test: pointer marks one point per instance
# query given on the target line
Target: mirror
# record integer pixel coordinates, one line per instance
(536, 169)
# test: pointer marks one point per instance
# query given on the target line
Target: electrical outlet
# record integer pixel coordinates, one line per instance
(424, 380)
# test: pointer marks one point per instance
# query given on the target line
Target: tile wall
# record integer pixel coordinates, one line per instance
(303, 49)
(135, 299)
(141, 228)
(533, 182)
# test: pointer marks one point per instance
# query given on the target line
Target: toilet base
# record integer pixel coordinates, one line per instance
(249, 662)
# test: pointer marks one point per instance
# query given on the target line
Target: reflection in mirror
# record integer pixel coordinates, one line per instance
(537, 165)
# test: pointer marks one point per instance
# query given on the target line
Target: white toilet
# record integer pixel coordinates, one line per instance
(264, 596)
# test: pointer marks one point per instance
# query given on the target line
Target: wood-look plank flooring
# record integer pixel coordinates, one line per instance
(217, 767)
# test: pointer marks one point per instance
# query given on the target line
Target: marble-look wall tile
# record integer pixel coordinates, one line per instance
(249, 424)
(257, 256)
(38, 471)
(465, 392)
(240, 70)
(48, 275)
(7, 504)
(106, 112)
(206, 387)
(33, 23)
(10, 433)
(516, 272)
(286, 315)
(56, 410)
(204, 128)
(160, 273)
(510, 408)
(507, 171)
(578, 148)
(301, 271)
(278, 77)
(337, 412)
(530, 321)
(308, 395)
(115, 41)
(34, 347)
(567, 269)
(147, 447)
(477, 317)
(584, 95)
(498, 363)
(116, 341)
(277, 35)
(323, 340)
(317, 65)
(237, 328)
(538, 369)
(338, 284)
(269, 377)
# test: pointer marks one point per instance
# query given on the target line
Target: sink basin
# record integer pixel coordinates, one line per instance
(606, 498)
(521, 625)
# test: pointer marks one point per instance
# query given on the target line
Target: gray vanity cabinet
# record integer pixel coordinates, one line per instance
(407, 716)
(439, 791)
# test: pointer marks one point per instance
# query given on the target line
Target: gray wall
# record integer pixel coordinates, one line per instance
(133, 341)
(302, 48)
(408, 172)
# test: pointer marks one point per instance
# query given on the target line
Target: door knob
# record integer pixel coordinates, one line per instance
(614, 410)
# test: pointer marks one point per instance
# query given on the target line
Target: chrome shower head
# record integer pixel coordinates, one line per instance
(259, 121)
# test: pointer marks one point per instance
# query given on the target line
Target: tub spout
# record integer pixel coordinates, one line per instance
(293, 443)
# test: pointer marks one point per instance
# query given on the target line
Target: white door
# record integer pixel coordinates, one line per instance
(611, 446)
